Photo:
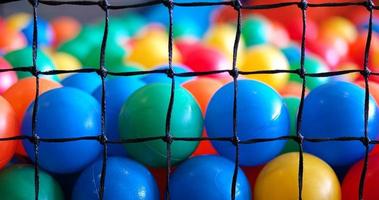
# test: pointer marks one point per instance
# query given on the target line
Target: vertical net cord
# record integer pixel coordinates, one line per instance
(366, 73)
(35, 72)
(234, 73)
(303, 6)
(103, 73)
(170, 73)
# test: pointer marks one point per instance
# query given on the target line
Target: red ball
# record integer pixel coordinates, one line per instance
(7, 79)
(252, 174)
(200, 58)
(350, 184)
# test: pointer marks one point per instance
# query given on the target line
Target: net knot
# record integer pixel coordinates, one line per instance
(234, 73)
(34, 71)
(236, 4)
(366, 73)
(34, 139)
(299, 139)
(235, 140)
(104, 4)
(301, 72)
(34, 3)
(369, 5)
(102, 72)
(168, 3)
(103, 139)
(365, 141)
(168, 139)
(170, 73)
(303, 5)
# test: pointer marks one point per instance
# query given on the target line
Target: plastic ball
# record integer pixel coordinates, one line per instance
(23, 92)
(200, 59)
(124, 179)
(118, 90)
(7, 79)
(45, 32)
(64, 113)
(11, 39)
(336, 109)
(279, 179)
(135, 22)
(203, 89)
(357, 49)
(65, 61)
(338, 27)
(114, 56)
(155, 44)
(256, 30)
(15, 177)
(163, 78)
(87, 82)
(261, 113)
(44, 63)
(205, 147)
(266, 57)
(149, 105)
(18, 21)
(311, 65)
(221, 37)
(60, 27)
(350, 184)
(292, 104)
(293, 89)
(77, 47)
(8, 128)
(187, 29)
(207, 177)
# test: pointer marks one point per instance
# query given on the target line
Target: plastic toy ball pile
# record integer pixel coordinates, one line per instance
(131, 103)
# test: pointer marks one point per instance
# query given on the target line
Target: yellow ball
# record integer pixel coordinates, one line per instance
(18, 21)
(266, 57)
(221, 37)
(151, 50)
(65, 61)
(338, 27)
(278, 180)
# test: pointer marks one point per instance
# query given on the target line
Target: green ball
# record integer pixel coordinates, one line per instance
(114, 56)
(91, 34)
(292, 104)
(144, 115)
(17, 182)
(311, 65)
(24, 58)
(133, 22)
(255, 31)
(77, 47)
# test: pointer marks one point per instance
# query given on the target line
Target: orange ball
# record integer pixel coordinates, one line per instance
(293, 89)
(203, 89)
(64, 28)
(11, 39)
(205, 147)
(22, 94)
(8, 128)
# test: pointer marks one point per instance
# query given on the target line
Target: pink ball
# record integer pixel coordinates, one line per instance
(8, 78)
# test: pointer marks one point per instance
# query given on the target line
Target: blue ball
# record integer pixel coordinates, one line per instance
(118, 90)
(336, 109)
(64, 113)
(45, 32)
(125, 179)
(261, 113)
(163, 78)
(207, 177)
(86, 82)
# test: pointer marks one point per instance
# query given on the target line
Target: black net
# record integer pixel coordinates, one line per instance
(238, 7)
